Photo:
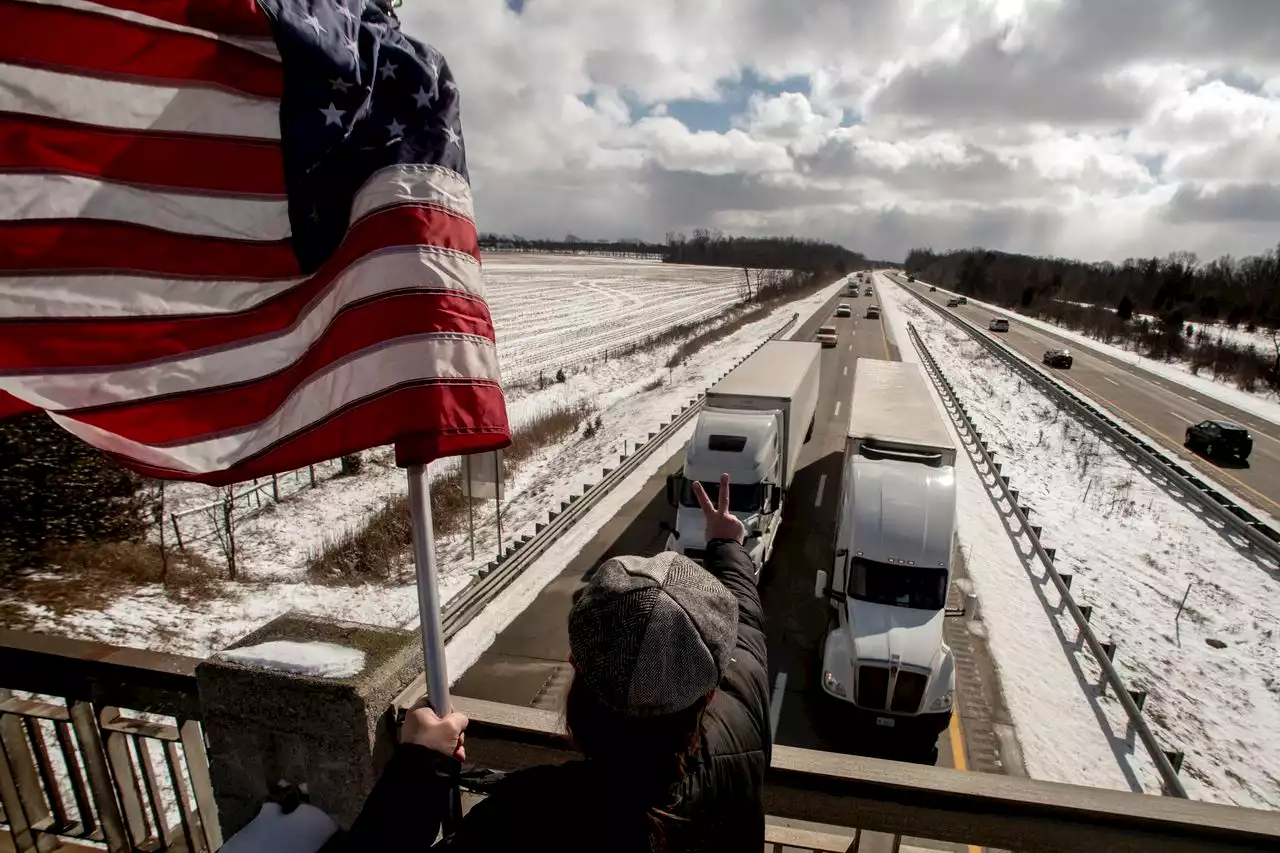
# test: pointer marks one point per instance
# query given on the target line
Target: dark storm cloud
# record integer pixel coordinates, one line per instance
(1232, 203)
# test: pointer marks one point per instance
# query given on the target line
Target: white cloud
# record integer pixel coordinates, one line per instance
(1086, 127)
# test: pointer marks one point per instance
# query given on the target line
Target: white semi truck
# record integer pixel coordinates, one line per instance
(752, 426)
(884, 658)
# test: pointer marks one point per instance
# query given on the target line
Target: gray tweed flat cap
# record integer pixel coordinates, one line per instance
(652, 635)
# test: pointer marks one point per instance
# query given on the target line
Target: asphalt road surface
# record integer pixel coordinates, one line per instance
(528, 663)
(1158, 407)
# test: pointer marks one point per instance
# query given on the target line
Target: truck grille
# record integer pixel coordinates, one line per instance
(873, 686)
(873, 689)
(908, 692)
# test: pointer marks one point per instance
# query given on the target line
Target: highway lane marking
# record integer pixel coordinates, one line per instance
(836, 413)
(775, 705)
(846, 370)
(958, 757)
(1112, 381)
(822, 487)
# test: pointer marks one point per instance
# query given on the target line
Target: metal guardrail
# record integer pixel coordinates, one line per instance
(969, 433)
(1215, 503)
(473, 598)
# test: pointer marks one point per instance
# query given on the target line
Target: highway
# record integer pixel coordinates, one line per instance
(1158, 407)
(528, 662)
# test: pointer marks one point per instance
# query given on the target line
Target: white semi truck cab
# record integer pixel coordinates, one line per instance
(884, 657)
(753, 425)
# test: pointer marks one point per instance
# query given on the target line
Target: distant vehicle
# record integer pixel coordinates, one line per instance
(1220, 439)
(844, 310)
(867, 292)
(885, 662)
(933, 288)
(962, 300)
(873, 312)
(827, 336)
(912, 278)
(1058, 358)
(952, 302)
(752, 426)
(998, 324)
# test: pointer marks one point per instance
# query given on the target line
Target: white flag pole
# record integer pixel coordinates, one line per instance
(424, 558)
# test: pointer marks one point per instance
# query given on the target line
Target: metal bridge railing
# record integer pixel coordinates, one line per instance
(101, 745)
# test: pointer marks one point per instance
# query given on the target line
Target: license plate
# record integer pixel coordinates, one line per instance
(887, 722)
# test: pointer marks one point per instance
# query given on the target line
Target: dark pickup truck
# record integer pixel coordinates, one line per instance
(1219, 439)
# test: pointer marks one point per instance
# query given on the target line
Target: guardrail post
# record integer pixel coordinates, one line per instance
(1051, 553)
(1066, 580)
(1109, 649)
(1086, 610)
(1139, 697)
(1176, 758)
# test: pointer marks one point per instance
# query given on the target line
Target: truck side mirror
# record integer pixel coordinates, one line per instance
(673, 487)
(820, 584)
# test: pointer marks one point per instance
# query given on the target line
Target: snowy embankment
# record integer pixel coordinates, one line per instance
(633, 396)
(1133, 550)
(1263, 404)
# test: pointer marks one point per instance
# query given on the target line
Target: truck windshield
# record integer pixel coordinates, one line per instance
(899, 586)
(743, 497)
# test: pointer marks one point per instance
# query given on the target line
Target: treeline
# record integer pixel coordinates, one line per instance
(571, 245)
(1237, 291)
(1150, 306)
(713, 248)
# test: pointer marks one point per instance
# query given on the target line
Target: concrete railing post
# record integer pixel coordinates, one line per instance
(333, 734)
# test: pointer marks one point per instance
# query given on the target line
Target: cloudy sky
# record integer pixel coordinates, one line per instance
(1085, 128)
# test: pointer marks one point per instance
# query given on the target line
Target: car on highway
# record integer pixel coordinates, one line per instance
(827, 336)
(933, 288)
(844, 310)
(1058, 358)
(867, 292)
(962, 300)
(998, 324)
(1219, 439)
(953, 302)
(873, 312)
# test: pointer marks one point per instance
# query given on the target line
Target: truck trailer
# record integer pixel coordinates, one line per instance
(753, 425)
(884, 661)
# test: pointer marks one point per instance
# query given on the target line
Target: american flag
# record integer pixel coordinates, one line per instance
(236, 237)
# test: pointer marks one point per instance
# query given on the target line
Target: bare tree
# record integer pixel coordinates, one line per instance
(224, 531)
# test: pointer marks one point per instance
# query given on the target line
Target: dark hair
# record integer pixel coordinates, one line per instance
(650, 753)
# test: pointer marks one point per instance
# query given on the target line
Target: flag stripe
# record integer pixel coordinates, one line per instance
(136, 106)
(445, 413)
(45, 196)
(397, 364)
(109, 295)
(365, 291)
(235, 17)
(232, 407)
(416, 183)
(262, 45)
(174, 161)
(102, 46)
(90, 245)
(62, 344)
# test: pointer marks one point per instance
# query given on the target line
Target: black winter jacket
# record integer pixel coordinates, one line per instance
(582, 806)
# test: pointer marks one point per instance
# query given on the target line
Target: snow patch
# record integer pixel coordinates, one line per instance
(316, 659)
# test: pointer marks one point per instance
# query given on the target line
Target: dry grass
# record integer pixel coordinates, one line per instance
(92, 576)
(375, 551)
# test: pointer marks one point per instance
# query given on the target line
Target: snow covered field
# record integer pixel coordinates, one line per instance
(633, 395)
(1263, 404)
(1133, 550)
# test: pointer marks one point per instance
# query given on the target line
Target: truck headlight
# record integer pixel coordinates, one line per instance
(943, 702)
(833, 685)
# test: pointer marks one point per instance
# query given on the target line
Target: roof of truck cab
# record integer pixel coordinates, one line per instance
(774, 370)
(891, 402)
